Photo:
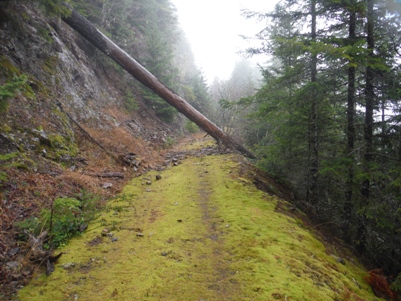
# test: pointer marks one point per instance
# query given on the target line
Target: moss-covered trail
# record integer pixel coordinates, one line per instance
(201, 232)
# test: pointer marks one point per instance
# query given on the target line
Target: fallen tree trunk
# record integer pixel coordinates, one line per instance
(104, 44)
(107, 175)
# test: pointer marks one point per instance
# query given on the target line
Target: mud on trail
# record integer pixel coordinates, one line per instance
(199, 230)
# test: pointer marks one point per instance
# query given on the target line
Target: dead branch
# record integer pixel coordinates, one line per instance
(107, 175)
(38, 254)
(85, 132)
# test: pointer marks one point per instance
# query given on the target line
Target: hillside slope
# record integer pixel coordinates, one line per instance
(200, 230)
(71, 99)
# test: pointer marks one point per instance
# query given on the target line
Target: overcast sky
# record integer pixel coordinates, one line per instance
(213, 28)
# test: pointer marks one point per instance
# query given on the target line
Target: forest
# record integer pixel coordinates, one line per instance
(326, 119)
(322, 115)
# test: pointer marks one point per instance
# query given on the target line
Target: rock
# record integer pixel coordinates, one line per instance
(12, 266)
(57, 46)
(16, 276)
(68, 266)
(26, 271)
(341, 260)
(158, 177)
(148, 183)
(164, 253)
(139, 234)
(83, 227)
(42, 136)
(7, 145)
(130, 160)
(106, 232)
(114, 239)
(107, 185)
(14, 251)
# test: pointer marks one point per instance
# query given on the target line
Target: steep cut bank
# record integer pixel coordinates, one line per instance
(200, 230)
(69, 96)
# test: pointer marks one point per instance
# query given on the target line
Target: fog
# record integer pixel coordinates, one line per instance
(214, 29)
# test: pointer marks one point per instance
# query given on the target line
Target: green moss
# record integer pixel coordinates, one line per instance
(25, 16)
(7, 157)
(198, 233)
(44, 33)
(13, 160)
(60, 146)
(4, 128)
(7, 68)
(63, 118)
(50, 65)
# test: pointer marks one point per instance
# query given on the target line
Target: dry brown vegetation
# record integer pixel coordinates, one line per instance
(28, 191)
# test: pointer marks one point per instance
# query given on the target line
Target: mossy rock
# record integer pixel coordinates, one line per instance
(61, 146)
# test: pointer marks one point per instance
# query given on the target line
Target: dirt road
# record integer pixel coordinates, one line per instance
(198, 231)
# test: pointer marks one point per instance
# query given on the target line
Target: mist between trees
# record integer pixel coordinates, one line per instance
(318, 118)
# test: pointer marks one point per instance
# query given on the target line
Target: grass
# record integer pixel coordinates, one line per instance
(199, 233)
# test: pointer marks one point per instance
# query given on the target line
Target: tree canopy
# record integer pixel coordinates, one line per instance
(327, 118)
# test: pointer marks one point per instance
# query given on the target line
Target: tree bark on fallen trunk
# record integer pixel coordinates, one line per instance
(104, 44)
(107, 175)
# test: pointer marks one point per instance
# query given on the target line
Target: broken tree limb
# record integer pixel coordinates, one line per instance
(104, 44)
(106, 175)
(39, 254)
(36, 243)
(85, 132)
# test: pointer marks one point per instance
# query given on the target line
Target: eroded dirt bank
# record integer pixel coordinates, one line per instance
(199, 230)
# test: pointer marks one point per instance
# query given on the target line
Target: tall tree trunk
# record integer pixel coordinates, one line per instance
(104, 44)
(369, 98)
(313, 121)
(348, 205)
(368, 127)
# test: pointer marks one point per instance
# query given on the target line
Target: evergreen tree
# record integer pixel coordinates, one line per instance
(321, 117)
(193, 86)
